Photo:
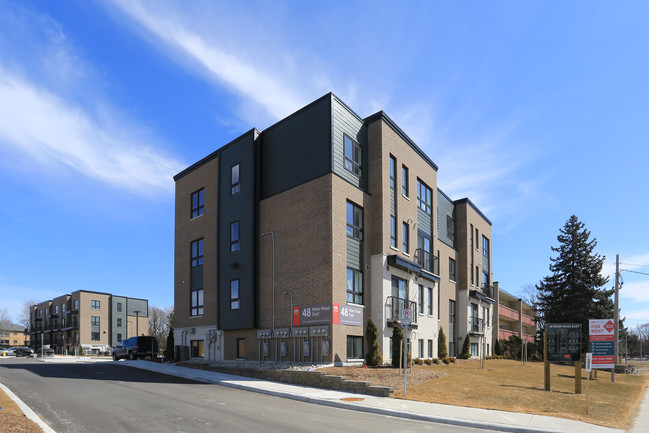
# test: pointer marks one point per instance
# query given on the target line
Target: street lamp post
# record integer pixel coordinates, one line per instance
(137, 320)
(290, 319)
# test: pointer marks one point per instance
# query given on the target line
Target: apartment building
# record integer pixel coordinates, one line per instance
(13, 335)
(515, 317)
(288, 240)
(95, 321)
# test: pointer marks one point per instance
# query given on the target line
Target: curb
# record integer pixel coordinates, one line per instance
(27, 410)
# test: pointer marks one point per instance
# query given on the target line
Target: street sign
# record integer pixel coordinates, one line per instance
(406, 316)
(589, 361)
(564, 342)
(601, 337)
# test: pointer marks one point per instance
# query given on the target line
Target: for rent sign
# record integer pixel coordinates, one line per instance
(601, 337)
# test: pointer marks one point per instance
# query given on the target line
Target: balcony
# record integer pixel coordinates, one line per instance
(504, 334)
(507, 313)
(394, 306)
(427, 261)
(486, 292)
(476, 325)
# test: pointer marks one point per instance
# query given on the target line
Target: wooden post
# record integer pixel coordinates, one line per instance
(587, 392)
(577, 377)
(546, 363)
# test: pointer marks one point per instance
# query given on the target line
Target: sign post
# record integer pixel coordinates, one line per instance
(601, 337)
(589, 367)
(406, 319)
(563, 344)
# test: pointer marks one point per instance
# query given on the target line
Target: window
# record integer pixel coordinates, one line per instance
(404, 180)
(119, 337)
(421, 347)
(471, 267)
(476, 238)
(424, 197)
(95, 305)
(197, 253)
(353, 156)
(197, 302)
(471, 235)
(474, 349)
(119, 322)
(485, 279)
(354, 221)
(94, 320)
(234, 180)
(430, 348)
(406, 239)
(450, 228)
(198, 203)
(477, 275)
(62, 308)
(451, 269)
(119, 307)
(76, 305)
(56, 309)
(421, 299)
(354, 286)
(399, 288)
(451, 327)
(94, 336)
(393, 231)
(485, 316)
(354, 347)
(485, 247)
(241, 348)
(234, 237)
(197, 348)
(40, 313)
(234, 295)
(430, 301)
(393, 172)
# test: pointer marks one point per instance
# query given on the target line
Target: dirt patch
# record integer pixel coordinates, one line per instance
(386, 376)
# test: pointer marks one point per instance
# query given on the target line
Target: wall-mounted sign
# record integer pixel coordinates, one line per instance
(563, 342)
(351, 315)
(317, 314)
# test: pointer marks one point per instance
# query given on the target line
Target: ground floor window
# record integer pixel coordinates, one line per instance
(430, 348)
(421, 348)
(197, 348)
(94, 336)
(474, 349)
(354, 347)
(241, 348)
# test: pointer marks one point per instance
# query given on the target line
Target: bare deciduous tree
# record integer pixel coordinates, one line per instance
(25, 318)
(159, 324)
(5, 318)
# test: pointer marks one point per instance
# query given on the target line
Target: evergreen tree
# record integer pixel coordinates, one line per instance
(497, 350)
(169, 348)
(466, 348)
(574, 292)
(442, 351)
(397, 338)
(373, 357)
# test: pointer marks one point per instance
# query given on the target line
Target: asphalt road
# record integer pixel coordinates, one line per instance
(109, 397)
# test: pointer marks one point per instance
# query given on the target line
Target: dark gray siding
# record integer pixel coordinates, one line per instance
(239, 207)
(424, 222)
(140, 305)
(297, 149)
(354, 254)
(114, 314)
(445, 208)
(346, 122)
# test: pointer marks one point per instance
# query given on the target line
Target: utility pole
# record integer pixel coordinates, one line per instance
(617, 313)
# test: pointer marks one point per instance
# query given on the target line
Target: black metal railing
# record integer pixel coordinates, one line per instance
(427, 261)
(394, 306)
(487, 290)
(476, 324)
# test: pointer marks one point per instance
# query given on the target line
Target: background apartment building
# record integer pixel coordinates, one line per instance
(288, 240)
(515, 317)
(93, 320)
(13, 335)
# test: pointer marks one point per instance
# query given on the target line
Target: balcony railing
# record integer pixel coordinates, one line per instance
(476, 325)
(394, 306)
(427, 261)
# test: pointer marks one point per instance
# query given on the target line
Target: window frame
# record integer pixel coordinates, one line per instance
(119, 322)
(197, 348)
(355, 295)
(235, 184)
(119, 307)
(197, 256)
(404, 181)
(424, 197)
(485, 246)
(452, 269)
(94, 319)
(430, 301)
(352, 160)
(393, 231)
(235, 301)
(405, 229)
(241, 348)
(235, 237)
(196, 302)
(420, 292)
(355, 342)
(95, 304)
(450, 228)
(393, 173)
(197, 203)
(355, 226)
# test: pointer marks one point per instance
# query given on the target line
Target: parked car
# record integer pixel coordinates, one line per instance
(20, 351)
(5, 351)
(43, 352)
(136, 348)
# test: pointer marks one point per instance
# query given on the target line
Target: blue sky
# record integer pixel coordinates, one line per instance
(534, 110)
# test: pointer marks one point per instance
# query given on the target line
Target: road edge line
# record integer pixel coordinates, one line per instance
(29, 413)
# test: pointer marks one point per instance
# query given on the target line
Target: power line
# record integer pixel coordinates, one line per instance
(635, 272)
(631, 264)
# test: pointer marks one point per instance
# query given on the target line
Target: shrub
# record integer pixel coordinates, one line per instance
(497, 350)
(81, 352)
(445, 360)
(428, 361)
(442, 351)
(169, 348)
(466, 348)
(397, 338)
(418, 361)
(451, 360)
(373, 357)
(436, 361)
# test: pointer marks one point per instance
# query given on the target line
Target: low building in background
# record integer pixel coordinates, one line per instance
(515, 317)
(13, 335)
(95, 321)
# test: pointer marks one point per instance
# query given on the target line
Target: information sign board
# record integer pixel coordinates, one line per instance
(406, 316)
(601, 338)
(563, 342)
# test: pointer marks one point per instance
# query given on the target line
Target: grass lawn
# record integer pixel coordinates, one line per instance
(507, 385)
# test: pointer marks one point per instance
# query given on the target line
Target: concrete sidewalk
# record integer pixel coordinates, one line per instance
(462, 416)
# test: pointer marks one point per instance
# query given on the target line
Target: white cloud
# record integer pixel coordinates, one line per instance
(58, 134)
